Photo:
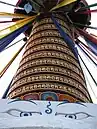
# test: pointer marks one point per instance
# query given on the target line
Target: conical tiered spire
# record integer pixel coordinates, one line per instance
(48, 69)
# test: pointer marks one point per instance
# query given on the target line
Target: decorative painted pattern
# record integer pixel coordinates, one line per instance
(47, 27)
(49, 109)
(50, 61)
(49, 20)
(31, 88)
(54, 47)
(44, 40)
(47, 77)
(50, 54)
(56, 88)
(50, 96)
(46, 33)
(33, 96)
(48, 69)
(60, 114)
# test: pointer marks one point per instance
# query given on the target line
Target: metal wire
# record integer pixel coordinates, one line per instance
(90, 75)
(13, 44)
(88, 70)
(11, 5)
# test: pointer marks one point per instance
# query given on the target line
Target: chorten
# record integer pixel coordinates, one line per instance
(49, 70)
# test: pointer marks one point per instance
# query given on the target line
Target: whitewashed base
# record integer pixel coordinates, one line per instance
(53, 115)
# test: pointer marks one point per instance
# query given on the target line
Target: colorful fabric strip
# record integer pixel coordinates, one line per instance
(66, 38)
(10, 62)
(7, 21)
(87, 48)
(91, 41)
(7, 90)
(18, 24)
(88, 11)
(87, 69)
(92, 46)
(63, 3)
(12, 15)
(8, 39)
(85, 26)
(94, 36)
(88, 53)
(92, 5)
(86, 35)
(13, 44)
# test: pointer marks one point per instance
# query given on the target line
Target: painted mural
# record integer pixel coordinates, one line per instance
(28, 113)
